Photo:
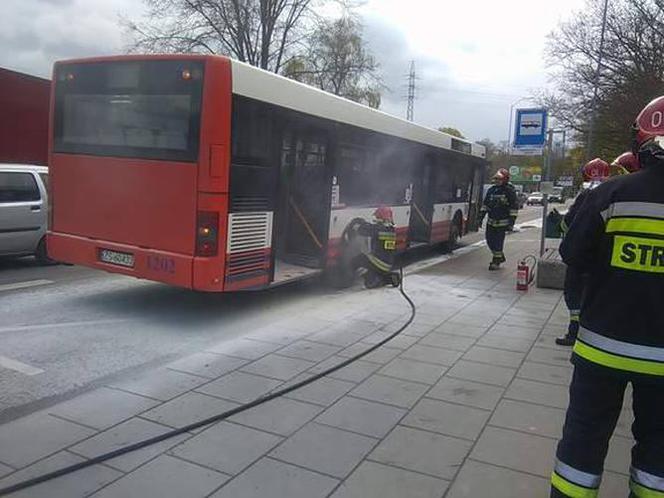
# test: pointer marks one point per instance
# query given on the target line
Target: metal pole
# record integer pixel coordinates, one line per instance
(600, 57)
(545, 197)
(509, 133)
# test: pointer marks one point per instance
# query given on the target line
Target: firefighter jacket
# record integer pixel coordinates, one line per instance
(618, 239)
(500, 203)
(383, 244)
(573, 210)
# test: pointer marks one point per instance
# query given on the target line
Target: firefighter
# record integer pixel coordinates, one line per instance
(626, 163)
(380, 261)
(618, 239)
(595, 171)
(501, 205)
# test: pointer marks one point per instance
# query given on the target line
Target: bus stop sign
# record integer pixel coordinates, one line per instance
(530, 133)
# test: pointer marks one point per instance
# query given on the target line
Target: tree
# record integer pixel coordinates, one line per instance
(338, 61)
(451, 131)
(262, 33)
(631, 74)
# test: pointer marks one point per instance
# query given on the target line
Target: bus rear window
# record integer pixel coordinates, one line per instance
(138, 109)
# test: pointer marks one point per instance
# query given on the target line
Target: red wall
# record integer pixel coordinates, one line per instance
(24, 107)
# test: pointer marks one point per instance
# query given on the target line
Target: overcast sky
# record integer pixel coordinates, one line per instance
(473, 59)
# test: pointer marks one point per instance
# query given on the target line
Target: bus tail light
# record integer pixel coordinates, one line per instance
(207, 233)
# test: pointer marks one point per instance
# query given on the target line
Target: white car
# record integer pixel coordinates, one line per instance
(23, 211)
(536, 198)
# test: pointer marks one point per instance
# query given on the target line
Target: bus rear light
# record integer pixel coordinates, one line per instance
(207, 233)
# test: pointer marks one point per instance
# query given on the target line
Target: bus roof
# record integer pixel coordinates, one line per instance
(252, 82)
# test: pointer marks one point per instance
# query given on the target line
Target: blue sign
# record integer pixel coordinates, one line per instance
(530, 128)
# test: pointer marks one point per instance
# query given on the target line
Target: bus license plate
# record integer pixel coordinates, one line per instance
(117, 258)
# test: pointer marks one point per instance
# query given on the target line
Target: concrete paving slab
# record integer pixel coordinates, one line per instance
(92, 409)
(431, 354)
(481, 372)
(481, 354)
(335, 337)
(422, 451)
(619, 457)
(447, 418)
(614, 485)
(478, 479)
(355, 372)
(390, 390)
(556, 396)
(78, 485)
(402, 341)
(551, 356)
(325, 449)
(525, 417)
(240, 387)
(517, 451)
(466, 392)
(187, 409)
(227, 447)
(121, 435)
(32, 438)
(5, 469)
(375, 480)
(161, 384)
(447, 341)
(269, 478)
(515, 332)
(413, 370)
(278, 334)
(323, 392)
(247, 349)
(361, 416)
(308, 350)
(280, 416)
(546, 373)
(209, 365)
(165, 477)
(278, 367)
(506, 343)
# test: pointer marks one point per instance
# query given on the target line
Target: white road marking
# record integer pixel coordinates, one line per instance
(24, 285)
(40, 326)
(18, 366)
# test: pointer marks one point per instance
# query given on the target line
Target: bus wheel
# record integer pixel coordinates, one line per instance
(455, 234)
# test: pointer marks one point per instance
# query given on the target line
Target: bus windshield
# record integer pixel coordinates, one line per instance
(138, 109)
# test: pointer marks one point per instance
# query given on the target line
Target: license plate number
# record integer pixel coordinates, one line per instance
(117, 258)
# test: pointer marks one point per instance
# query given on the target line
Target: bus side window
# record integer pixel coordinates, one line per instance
(252, 132)
(444, 190)
(356, 176)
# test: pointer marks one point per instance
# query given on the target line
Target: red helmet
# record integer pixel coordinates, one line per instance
(649, 124)
(502, 175)
(627, 162)
(596, 170)
(384, 213)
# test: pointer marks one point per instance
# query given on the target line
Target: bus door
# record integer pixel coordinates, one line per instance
(422, 204)
(303, 200)
(476, 197)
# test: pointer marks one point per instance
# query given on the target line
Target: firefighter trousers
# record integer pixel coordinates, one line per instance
(596, 401)
(495, 239)
(575, 283)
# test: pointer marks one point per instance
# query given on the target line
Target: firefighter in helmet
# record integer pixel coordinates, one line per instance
(380, 260)
(594, 172)
(501, 206)
(618, 240)
(626, 163)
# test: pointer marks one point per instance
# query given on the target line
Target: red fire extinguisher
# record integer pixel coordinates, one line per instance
(524, 274)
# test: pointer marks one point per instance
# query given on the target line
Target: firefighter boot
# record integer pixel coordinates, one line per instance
(570, 338)
(495, 262)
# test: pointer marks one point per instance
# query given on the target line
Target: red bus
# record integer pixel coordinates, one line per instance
(207, 173)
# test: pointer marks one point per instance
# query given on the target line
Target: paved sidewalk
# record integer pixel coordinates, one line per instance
(467, 402)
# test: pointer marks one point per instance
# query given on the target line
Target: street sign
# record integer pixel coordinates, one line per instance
(530, 132)
(515, 170)
(565, 181)
(537, 178)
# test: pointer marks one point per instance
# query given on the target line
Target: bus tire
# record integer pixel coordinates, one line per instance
(455, 234)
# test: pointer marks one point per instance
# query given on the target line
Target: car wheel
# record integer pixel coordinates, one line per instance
(41, 254)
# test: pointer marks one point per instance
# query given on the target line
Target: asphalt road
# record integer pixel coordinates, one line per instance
(66, 329)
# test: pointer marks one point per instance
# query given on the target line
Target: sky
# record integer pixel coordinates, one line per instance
(473, 60)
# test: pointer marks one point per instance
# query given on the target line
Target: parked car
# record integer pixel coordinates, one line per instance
(521, 198)
(23, 211)
(536, 198)
(557, 195)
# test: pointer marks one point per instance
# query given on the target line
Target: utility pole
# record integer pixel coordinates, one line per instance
(593, 110)
(410, 112)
